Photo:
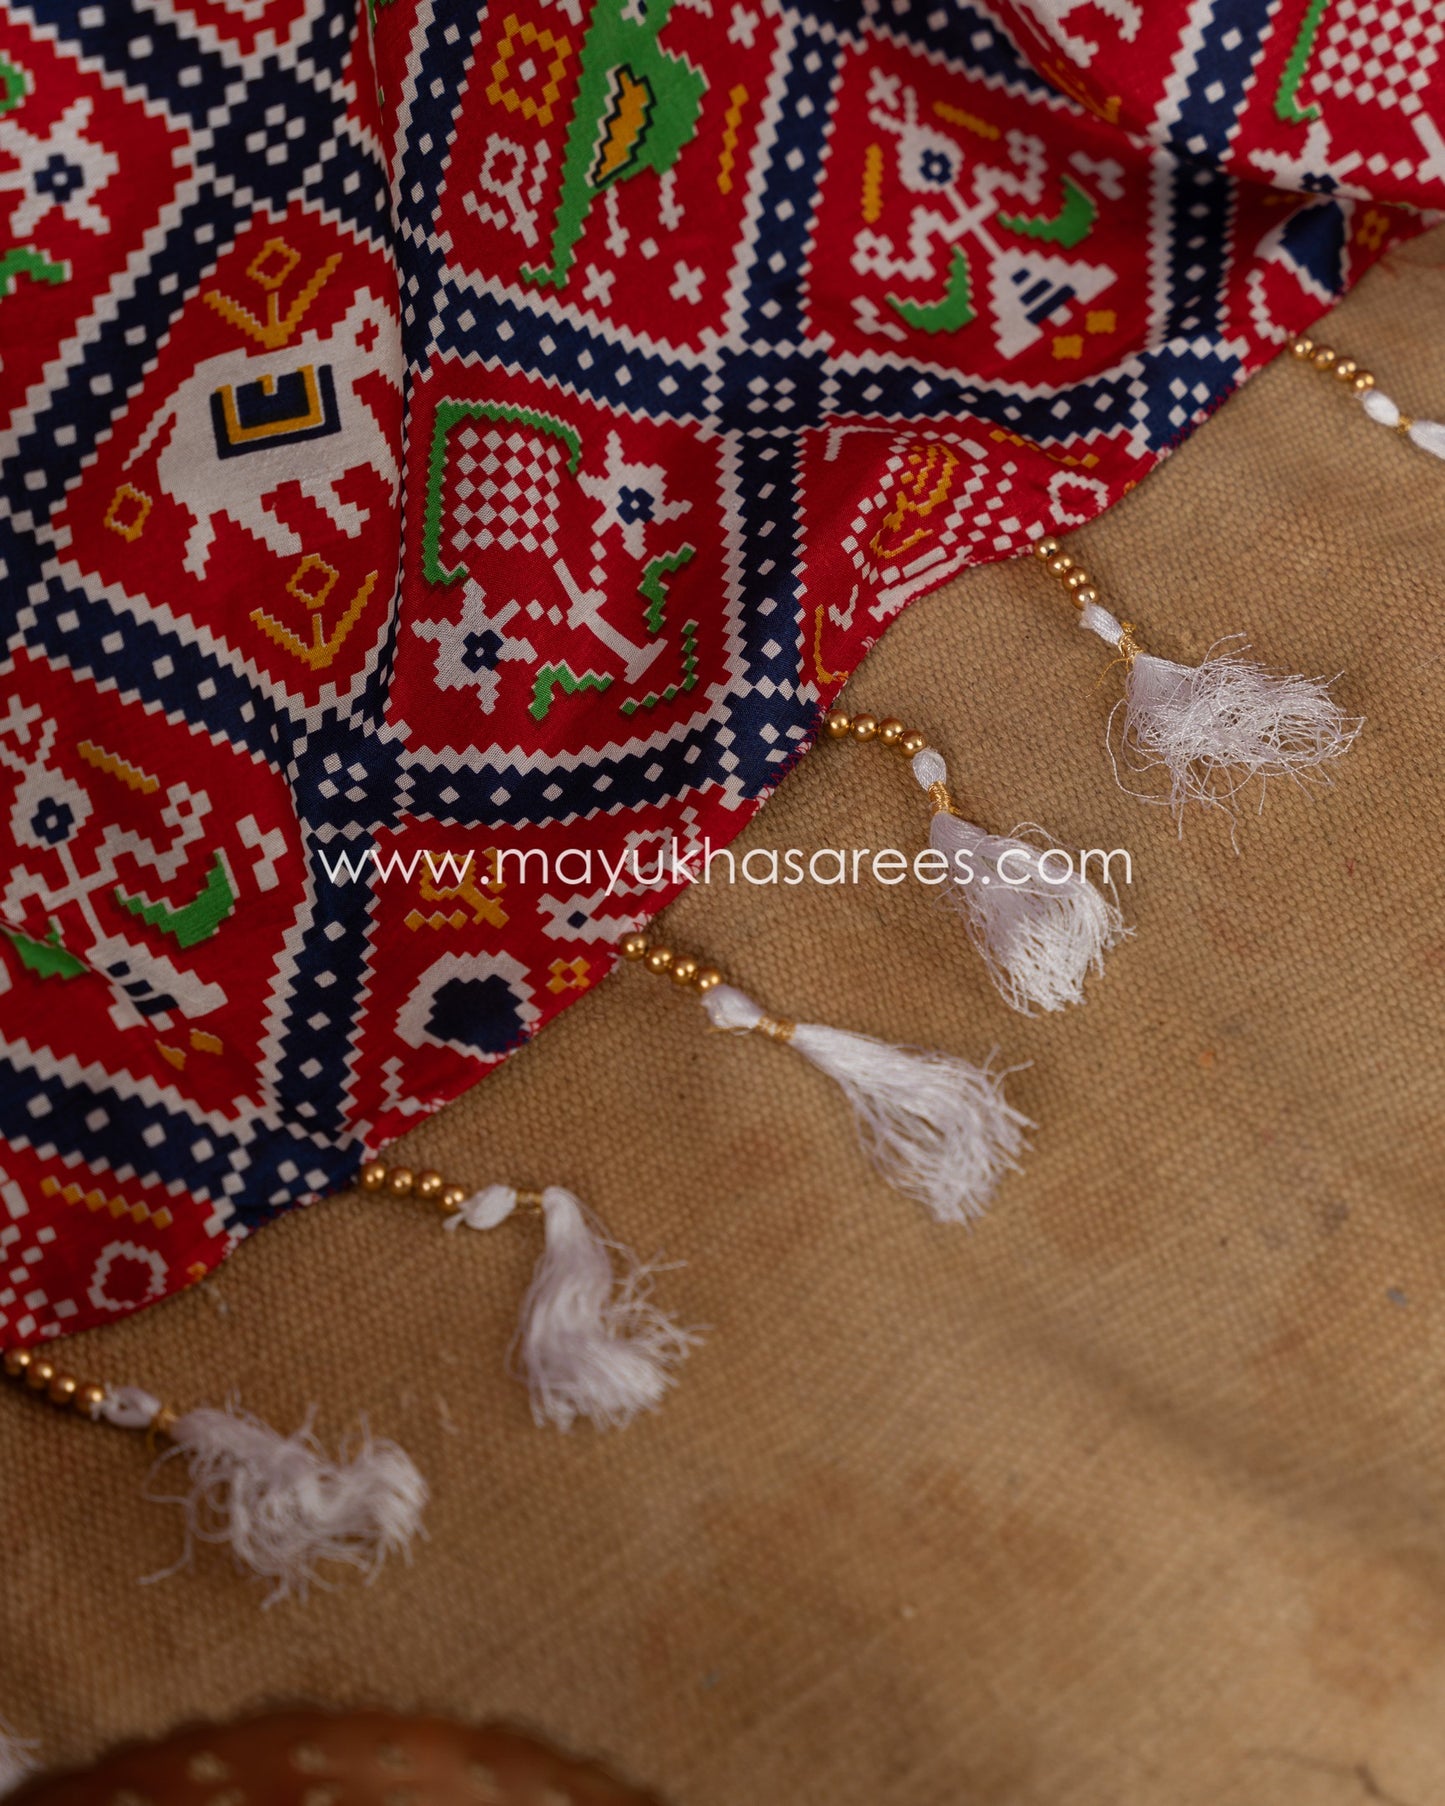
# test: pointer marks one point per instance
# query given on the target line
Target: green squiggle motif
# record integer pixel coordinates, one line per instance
(1073, 222)
(620, 54)
(1286, 100)
(195, 921)
(948, 315)
(654, 590)
(447, 415)
(47, 958)
(25, 260)
(552, 678)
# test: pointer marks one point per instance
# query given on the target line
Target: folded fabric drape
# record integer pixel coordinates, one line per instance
(446, 454)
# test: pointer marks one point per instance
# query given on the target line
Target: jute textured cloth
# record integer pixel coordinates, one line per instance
(1135, 1494)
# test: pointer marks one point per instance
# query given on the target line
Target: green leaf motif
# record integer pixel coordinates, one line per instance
(1070, 226)
(195, 921)
(47, 958)
(954, 311)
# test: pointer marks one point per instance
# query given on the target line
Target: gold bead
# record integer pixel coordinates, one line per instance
(1045, 549)
(1323, 358)
(89, 1398)
(707, 979)
(1345, 369)
(63, 1388)
(912, 742)
(1363, 382)
(865, 727)
(39, 1374)
(372, 1176)
(429, 1184)
(1060, 565)
(836, 724)
(634, 946)
(453, 1197)
(659, 959)
(1302, 347)
(16, 1361)
(399, 1181)
(891, 731)
(684, 971)
(1078, 578)
(1082, 598)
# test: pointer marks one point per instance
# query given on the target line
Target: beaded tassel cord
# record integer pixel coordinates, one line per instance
(280, 1503)
(1040, 930)
(590, 1342)
(1211, 728)
(935, 1127)
(1427, 435)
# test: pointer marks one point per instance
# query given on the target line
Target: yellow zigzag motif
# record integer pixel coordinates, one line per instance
(116, 767)
(276, 328)
(97, 1200)
(1001, 435)
(631, 109)
(732, 119)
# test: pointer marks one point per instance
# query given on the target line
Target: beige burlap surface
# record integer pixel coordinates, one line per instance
(1135, 1496)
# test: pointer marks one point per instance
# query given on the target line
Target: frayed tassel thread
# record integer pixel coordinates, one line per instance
(590, 1343)
(1216, 726)
(17, 1760)
(283, 1506)
(937, 1129)
(1039, 936)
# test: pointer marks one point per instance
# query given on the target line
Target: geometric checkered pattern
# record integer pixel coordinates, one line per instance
(1380, 55)
(508, 490)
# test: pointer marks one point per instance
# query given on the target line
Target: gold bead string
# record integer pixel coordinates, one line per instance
(687, 974)
(868, 730)
(891, 733)
(684, 971)
(1329, 362)
(1078, 584)
(1082, 591)
(404, 1182)
(429, 1186)
(39, 1374)
(62, 1389)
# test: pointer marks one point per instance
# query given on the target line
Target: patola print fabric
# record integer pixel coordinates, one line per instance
(503, 429)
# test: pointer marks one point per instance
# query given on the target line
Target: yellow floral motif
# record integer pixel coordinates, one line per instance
(569, 975)
(501, 93)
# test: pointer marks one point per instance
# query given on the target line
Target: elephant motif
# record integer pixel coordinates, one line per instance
(245, 422)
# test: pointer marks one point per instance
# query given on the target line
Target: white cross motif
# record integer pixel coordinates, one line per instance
(62, 171)
(687, 283)
(744, 28)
